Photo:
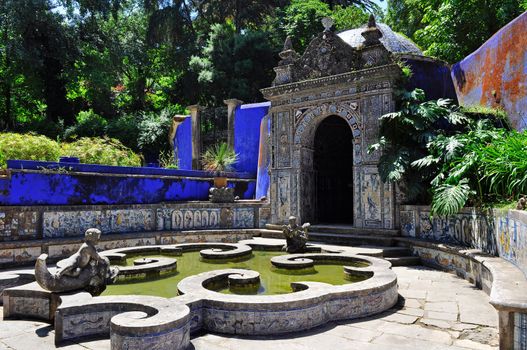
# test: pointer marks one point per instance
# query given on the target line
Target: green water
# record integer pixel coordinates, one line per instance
(272, 280)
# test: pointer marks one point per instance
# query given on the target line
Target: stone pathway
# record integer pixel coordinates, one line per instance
(436, 310)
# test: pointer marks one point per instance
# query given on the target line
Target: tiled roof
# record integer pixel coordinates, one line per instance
(393, 41)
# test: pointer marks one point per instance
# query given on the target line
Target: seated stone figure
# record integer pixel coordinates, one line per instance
(85, 269)
(296, 236)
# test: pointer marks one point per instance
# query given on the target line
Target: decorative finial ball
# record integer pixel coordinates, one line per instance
(327, 22)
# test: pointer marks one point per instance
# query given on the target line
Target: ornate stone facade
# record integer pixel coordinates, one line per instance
(332, 78)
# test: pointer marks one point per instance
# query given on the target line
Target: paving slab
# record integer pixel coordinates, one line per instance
(462, 319)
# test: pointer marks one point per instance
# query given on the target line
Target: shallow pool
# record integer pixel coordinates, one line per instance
(272, 280)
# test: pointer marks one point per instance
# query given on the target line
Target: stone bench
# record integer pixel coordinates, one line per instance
(501, 280)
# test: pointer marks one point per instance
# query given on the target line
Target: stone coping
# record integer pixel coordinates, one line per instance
(96, 169)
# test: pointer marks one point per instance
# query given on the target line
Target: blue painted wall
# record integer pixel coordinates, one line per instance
(264, 159)
(433, 77)
(247, 135)
(183, 144)
(46, 183)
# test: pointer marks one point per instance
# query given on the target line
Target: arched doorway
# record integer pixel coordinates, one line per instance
(333, 166)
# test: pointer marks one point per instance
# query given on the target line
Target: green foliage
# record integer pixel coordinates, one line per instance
(455, 162)
(154, 131)
(101, 151)
(126, 129)
(451, 29)
(406, 134)
(503, 164)
(219, 158)
(348, 17)
(302, 21)
(27, 146)
(168, 160)
(89, 124)
(234, 64)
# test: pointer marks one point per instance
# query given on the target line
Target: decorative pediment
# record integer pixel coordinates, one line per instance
(327, 55)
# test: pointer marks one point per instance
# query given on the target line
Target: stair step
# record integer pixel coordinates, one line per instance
(405, 261)
(393, 252)
(348, 239)
(343, 229)
(346, 229)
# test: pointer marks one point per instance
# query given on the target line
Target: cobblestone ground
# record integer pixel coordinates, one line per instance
(436, 310)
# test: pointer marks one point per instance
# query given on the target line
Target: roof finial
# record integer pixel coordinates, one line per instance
(327, 22)
(371, 22)
(288, 44)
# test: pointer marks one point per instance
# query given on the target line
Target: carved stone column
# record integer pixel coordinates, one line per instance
(196, 136)
(231, 108)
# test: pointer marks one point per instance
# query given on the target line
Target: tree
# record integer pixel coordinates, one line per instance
(243, 14)
(234, 65)
(451, 29)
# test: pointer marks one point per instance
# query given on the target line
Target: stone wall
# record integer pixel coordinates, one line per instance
(497, 232)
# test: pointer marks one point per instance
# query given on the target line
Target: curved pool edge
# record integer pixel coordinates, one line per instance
(145, 322)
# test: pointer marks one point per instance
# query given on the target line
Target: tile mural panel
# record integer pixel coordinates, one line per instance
(497, 232)
(74, 223)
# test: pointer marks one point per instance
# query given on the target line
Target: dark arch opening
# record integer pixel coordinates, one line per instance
(333, 166)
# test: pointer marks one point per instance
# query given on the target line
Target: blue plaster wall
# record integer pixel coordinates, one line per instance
(183, 144)
(264, 159)
(36, 183)
(247, 135)
(433, 77)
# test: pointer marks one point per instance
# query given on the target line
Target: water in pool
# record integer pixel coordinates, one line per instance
(272, 280)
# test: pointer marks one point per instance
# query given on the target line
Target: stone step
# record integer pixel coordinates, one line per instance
(347, 229)
(405, 261)
(351, 239)
(393, 252)
(343, 229)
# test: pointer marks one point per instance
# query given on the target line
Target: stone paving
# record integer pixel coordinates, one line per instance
(436, 310)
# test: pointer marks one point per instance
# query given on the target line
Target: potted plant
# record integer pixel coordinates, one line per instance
(218, 159)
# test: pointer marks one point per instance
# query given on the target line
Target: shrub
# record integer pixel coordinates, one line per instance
(101, 151)
(27, 146)
(153, 136)
(89, 124)
(126, 129)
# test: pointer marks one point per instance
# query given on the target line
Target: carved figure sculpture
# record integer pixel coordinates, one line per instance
(84, 270)
(296, 236)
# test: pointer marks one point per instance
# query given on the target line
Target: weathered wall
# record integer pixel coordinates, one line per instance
(496, 74)
(44, 183)
(183, 144)
(247, 122)
(497, 232)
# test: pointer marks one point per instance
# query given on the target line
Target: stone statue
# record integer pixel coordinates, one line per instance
(296, 236)
(84, 270)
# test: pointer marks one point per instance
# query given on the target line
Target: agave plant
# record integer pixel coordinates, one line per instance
(219, 158)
